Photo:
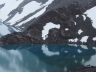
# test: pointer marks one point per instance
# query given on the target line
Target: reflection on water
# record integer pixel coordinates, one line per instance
(45, 58)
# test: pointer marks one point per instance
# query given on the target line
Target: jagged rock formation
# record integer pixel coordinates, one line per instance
(66, 17)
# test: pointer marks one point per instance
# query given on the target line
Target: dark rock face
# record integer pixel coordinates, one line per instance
(2, 5)
(15, 38)
(65, 16)
(54, 5)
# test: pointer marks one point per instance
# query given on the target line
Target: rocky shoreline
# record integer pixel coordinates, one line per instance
(66, 17)
(84, 69)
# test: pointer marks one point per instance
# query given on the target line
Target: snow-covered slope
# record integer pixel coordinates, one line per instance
(15, 13)
(14, 10)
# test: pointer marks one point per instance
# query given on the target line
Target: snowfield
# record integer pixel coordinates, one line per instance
(91, 15)
(14, 11)
(10, 12)
(14, 5)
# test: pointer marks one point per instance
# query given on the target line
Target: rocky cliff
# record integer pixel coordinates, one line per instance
(75, 25)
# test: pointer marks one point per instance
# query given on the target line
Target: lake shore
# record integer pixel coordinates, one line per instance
(84, 69)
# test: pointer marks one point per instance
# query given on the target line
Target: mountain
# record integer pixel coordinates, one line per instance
(49, 21)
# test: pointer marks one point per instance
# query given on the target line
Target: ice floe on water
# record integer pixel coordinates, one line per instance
(91, 14)
(47, 27)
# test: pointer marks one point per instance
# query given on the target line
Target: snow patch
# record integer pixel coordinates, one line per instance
(84, 17)
(80, 31)
(47, 27)
(4, 29)
(9, 6)
(84, 39)
(2, 1)
(75, 23)
(94, 39)
(73, 40)
(90, 14)
(26, 10)
(34, 9)
(47, 52)
(66, 29)
(77, 16)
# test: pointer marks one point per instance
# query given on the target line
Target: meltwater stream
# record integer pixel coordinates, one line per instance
(45, 58)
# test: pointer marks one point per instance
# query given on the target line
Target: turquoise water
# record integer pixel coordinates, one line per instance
(45, 58)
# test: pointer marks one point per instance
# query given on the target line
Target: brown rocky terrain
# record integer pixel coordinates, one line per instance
(85, 69)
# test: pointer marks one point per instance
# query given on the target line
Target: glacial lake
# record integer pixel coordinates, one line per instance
(45, 58)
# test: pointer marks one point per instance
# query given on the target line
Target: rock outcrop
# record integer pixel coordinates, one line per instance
(66, 17)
